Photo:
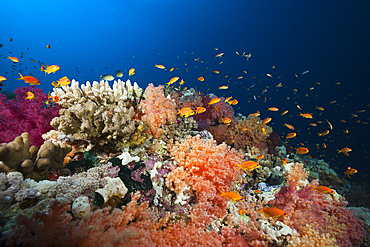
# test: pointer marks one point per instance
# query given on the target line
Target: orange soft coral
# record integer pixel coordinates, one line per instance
(204, 166)
(157, 109)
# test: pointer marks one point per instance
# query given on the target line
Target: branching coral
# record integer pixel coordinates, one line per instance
(101, 113)
(23, 115)
(157, 109)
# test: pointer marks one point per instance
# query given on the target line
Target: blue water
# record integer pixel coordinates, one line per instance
(329, 38)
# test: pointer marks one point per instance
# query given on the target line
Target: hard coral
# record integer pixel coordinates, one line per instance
(23, 115)
(157, 109)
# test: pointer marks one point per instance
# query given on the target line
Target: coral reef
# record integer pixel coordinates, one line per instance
(23, 115)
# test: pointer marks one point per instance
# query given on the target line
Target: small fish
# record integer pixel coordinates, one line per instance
(305, 72)
(302, 150)
(242, 211)
(48, 46)
(32, 60)
(233, 102)
(320, 108)
(220, 55)
(273, 109)
(216, 71)
(285, 161)
(323, 133)
(225, 120)
(248, 165)
(313, 124)
(266, 121)
(107, 77)
(324, 145)
(269, 75)
(119, 73)
(201, 78)
(306, 115)
(131, 72)
(214, 101)
(2, 78)
(200, 109)
(284, 112)
(64, 81)
(350, 171)
(173, 80)
(231, 195)
(30, 95)
(51, 69)
(289, 126)
(256, 114)
(279, 85)
(330, 125)
(273, 212)
(186, 111)
(228, 99)
(29, 79)
(160, 66)
(172, 69)
(240, 77)
(13, 59)
(291, 135)
(223, 87)
(324, 190)
(345, 151)
(261, 156)
(264, 131)
(182, 82)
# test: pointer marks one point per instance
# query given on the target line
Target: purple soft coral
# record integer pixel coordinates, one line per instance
(23, 115)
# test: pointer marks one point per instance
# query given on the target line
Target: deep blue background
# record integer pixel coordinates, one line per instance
(330, 38)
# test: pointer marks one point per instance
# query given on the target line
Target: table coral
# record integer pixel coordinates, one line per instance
(23, 115)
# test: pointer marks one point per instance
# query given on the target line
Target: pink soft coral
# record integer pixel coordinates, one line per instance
(308, 207)
(157, 109)
(23, 115)
(205, 167)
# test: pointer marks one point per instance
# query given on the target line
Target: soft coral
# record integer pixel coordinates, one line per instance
(23, 115)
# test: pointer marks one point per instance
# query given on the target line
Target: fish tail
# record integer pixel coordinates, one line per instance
(20, 76)
(240, 167)
(222, 193)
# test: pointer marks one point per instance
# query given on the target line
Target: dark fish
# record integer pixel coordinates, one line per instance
(10, 52)
(39, 62)
(1, 45)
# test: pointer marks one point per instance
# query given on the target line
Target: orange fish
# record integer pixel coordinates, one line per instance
(201, 78)
(264, 130)
(285, 161)
(242, 211)
(273, 212)
(186, 111)
(257, 191)
(30, 96)
(345, 151)
(216, 108)
(240, 77)
(225, 120)
(266, 121)
(256, 114)
(233, 102)
(64, 81)
(302, 150)
(48, 46)
(223, 87)
(51, 69)
(171, 69)
(261, 156)
(324, 190)
(13, 59)
(216, 71)
(289, 126)
(131, 72)
(2, 78)
(320, 108)
(200, 110)
(350, 171)
(231, 195)
(29, 79)
(323, 133)
(220, 54)
(273, 109)
(248, 165)
(214, 101)
(160, 66)
(228, 99)
(55, 98)
(173, 80)
(330, 125)
(306, 115)
(313, 124)
(291, 135)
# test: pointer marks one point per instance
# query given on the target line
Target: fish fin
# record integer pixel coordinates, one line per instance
(222, 193)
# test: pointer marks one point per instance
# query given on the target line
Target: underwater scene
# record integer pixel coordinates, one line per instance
(184, 123)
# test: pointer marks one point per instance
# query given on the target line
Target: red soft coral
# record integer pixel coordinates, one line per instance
(205, 167)
(23, 115)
